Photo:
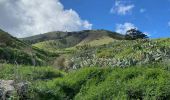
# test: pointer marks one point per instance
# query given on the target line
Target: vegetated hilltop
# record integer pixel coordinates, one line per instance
(13, 50)
(62, 40)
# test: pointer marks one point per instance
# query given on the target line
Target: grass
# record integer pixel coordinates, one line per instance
(163, 41)
(28, 73)
(97, 42)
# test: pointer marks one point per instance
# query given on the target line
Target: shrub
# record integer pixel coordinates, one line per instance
(105, 83)
(134, 34)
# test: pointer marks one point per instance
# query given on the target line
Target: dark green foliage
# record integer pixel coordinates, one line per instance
(8, 40)
(15, 51)
(131, 83)
(20, 57)
(134, 34)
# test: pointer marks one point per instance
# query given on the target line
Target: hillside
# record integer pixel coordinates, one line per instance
(85, 65)
(61, 40)
(15, 51)
(101, 48)
(123, 53)
(7, 40)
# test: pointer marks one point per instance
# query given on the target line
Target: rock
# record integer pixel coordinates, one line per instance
(6, 89)
(1, 93)
(22, 90)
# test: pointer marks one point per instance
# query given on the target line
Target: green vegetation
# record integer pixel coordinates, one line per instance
(134, 34)
(28, 73)
(144, 82)
(137, 82)
(15, 51)
(95, 64)
(59, 41)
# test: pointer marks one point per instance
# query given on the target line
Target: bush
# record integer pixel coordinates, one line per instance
(105, 83)
(134, 34)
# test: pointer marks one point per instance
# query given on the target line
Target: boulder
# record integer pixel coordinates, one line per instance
(22, 90)
(6, 89)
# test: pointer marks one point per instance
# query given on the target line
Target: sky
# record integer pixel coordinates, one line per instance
(24, 18)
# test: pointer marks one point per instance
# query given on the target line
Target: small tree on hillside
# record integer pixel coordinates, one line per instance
(134, 34)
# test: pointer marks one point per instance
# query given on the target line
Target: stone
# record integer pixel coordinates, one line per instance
(22, 90)
(6, 89)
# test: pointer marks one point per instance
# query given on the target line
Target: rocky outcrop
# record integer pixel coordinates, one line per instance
(6, 89)
(9, 89)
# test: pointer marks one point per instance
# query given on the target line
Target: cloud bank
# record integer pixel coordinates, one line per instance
(142, 10)
(122, 7)
(122, 28)
(169, 23)
(24, 18)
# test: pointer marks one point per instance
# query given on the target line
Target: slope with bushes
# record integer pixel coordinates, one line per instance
(123, 53)
(13, 50)
(133, 83)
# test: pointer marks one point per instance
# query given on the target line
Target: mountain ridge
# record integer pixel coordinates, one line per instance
(60, 40)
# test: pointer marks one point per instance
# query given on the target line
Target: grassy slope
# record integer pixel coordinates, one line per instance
(8, 40)
(105, 47)
(134, 49)
(72, 39)
(13, 50)
(28, 73)
(134, 52)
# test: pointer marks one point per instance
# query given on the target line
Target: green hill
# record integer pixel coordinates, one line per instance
(13, 50)
(101, 48)
(7, 40)
(61, 40)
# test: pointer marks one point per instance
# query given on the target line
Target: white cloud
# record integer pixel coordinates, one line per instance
(142, 10)
(169, 23)
(122, 28)
(122, 8)
(147, 33)
(30, 17)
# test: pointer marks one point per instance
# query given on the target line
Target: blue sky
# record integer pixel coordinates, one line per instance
(150, 16)
(23, 18)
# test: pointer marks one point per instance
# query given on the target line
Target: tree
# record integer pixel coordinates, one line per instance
(134, 34)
